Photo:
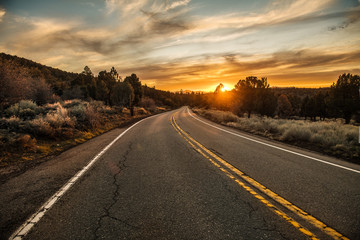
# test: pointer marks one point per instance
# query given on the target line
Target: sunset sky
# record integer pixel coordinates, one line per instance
(189, 44)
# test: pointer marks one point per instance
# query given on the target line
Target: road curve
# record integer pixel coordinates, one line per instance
(175, 177)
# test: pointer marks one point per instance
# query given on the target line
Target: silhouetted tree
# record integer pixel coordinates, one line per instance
(344, 95)
(115, 74)
(109, 81)
(122, 94)
(320, 105)
(134, 81)
(247, 92)
(219, 88)
(266, 102)
(102, 92)
(87, 71)
(284, 108)
(40, 91)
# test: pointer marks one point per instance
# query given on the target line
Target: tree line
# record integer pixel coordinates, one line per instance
(254, 95)
(21, 78)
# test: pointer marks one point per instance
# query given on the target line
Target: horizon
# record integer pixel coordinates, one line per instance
(190, 44)
(227, 87)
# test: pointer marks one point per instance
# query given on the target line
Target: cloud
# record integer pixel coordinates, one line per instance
(282, 68)
(277, 12)
(125, 7)
(177, 4)
(295, 60)
(2, 13)
(352, 17)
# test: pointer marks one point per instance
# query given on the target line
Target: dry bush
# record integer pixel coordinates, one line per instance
(100, 107)
(296, 133)
(160, 109)
(92, 117)
(218, 116)
(78, 111)
(11, 123)
(60, 118)
(40, 127)
(147, 103)
(72, 103)
(25, 142)
(142, 111)
(87, 117)
(125, 111)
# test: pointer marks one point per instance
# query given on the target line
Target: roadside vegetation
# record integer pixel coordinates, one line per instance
(332, 137)
(29, 131)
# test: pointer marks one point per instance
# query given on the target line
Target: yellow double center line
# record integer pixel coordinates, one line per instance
(231, 171)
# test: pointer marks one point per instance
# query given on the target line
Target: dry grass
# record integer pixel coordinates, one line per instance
(331, 137)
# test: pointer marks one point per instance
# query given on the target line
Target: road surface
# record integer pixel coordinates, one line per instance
(179, 176)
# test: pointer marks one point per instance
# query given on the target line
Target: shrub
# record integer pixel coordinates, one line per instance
(72, 103)
(78, 111)
(25, 109)
(142, 111)
(147, 103)
(60, 118)
(92, 117)
(25, 142)
(27, 114)
(13, 123)
(52, 106)
(40, 127)
(296, 133)
(219, 116)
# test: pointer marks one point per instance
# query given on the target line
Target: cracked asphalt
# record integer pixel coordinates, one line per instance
(151, 184)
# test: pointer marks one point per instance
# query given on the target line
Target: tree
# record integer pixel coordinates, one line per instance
(344, 95)
(320, 105)
(248, 92)
(284, 108)
(221, 98)
(115, 74)
(87, 71)
(134, 81)
(109, 81)
(40, 91)
(266, 102)
(122, 94)
(102, 91)
(219, 88)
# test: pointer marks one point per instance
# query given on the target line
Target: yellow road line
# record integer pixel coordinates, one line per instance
(331, 232)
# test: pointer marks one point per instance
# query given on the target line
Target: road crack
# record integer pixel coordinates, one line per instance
(121, 165)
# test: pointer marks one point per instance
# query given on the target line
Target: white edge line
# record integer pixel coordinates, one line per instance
(30, 222)
(270, 145)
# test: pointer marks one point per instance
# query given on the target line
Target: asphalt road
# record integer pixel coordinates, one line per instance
(175, 176)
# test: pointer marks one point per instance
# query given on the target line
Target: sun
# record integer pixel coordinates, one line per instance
(224, 89)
